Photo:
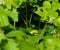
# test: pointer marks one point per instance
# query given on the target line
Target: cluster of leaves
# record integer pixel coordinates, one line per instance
(40, 20)
(48, 12)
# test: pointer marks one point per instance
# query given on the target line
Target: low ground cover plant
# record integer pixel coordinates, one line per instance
(29, 24)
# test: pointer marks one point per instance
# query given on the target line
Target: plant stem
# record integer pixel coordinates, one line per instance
(26, 15)
(14, 24)
(23, 19)
(57, 29)
(43, 31)
(30, 20)
(39, 24)
(22, 12)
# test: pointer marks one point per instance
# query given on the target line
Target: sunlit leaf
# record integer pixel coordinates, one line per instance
(3, 20)
(16, 33)
(14, 15)
(42, 12)
(52, 13)
(57, 21)
(46, 5)
(34, 32)
(8, 3)
(55, 5)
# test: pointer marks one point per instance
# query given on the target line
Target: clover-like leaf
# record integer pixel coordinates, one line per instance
(52, 14)
(55, 5)
(42, 13)
(46, 5)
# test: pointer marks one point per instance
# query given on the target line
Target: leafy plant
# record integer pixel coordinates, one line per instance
(29, 25)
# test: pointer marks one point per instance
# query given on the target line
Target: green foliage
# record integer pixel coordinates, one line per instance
(27, 46)
(10, 45)
(13, 15)
(2, 36)
(29, 25)
(46, 5)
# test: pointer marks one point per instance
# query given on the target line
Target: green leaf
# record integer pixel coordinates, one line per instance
(53, 0)
(58, 43)
(24, 45)
(10, 45)
(38, 12)
(15, 3)
(16, 33)
(8, 3)
(46, 5)
(42, 13)
(51, 29)
(2, 36)
(13, 15)
(55, 5)
(29, 29)
(52, 14)
(1, 2)
(1, 8)
(57, 21)
(35, 1)
(21, 1)
(33, 39)
(3, 20)
(58, 6)
(41, 45)
(34, 31)
(0, 48)
(50, 43)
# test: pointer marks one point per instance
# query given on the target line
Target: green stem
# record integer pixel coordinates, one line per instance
(23, 19)
(30, 20)
(57, 31)
(22, 12)
(14, 24)
(39, 24)
(26, 15)
(43, 31)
